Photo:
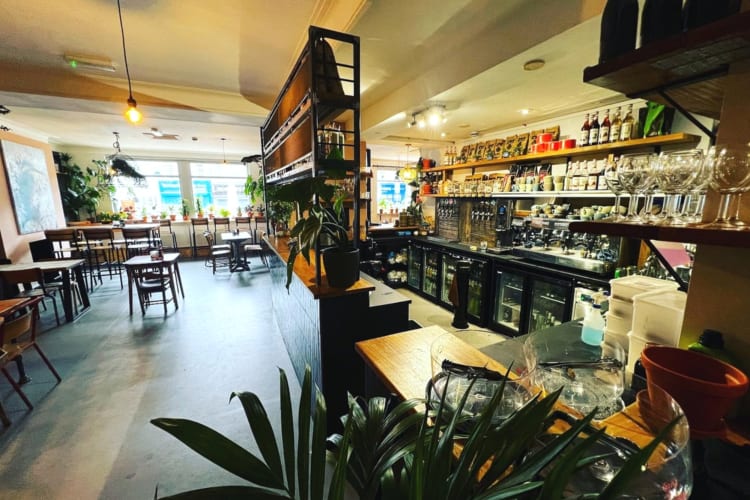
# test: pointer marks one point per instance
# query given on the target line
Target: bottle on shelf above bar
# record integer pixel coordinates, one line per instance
(619, 26)
(605, 128)
(594, 130)
(699, 12)
(614, 131)
(583, 139)
(626, 131)
(660, 19)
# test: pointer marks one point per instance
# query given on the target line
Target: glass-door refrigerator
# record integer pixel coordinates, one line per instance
(448, 268)
(551, 302)
(414, 267)
(430, 272)
(508, 301)
(478, 281)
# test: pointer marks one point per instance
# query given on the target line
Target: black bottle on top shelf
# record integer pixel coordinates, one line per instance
(660, 19)
(619, 26)
(698, 12)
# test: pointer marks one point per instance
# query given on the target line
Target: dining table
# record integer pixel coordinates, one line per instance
(66, 268)
(236, 239)
(167, 262)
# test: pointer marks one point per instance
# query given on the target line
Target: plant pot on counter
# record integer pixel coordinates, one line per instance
(705, 387)
(342, 266)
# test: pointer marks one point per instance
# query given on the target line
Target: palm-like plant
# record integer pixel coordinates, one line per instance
(400, 453)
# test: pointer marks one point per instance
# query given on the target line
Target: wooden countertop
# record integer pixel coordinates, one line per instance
(306, 273)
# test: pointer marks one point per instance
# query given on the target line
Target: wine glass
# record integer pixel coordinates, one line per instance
(614, 185)
(675, 172)
(730, 176)
(635, 174)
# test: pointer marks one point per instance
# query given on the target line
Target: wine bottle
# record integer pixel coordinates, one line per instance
(594, 130)
(660, 19)
(698, 12)
(619, 26)
(614, 131)
(604, 130)
(583, 140)
(626, 132)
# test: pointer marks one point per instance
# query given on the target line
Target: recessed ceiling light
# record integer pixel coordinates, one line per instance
(533, 65)
(524, 111)
(442, 134)
(464, 125)
(89, 62)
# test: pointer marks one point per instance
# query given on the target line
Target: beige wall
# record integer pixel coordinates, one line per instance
(13, 245)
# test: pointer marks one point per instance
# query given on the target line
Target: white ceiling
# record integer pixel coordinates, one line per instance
(212, 69)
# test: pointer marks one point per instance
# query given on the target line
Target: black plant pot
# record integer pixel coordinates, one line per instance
(342, 266)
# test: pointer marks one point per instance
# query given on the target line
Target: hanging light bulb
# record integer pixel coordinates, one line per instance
(223, 153)
(132, 114)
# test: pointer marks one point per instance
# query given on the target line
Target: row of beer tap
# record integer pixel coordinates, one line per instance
(590, 246)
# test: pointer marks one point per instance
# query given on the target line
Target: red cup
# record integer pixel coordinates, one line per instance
(569, 143)
(541, 147)
(545, 137)
(555, 146)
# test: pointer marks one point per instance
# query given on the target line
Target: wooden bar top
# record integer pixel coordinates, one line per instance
(306, 272)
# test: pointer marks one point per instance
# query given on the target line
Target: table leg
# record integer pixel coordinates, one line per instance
(3, 416)
(179, 279)
(129, 273)
(82, 287)
(67, 296)
(172, 287)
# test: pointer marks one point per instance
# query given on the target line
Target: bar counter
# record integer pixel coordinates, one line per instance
(320, 325)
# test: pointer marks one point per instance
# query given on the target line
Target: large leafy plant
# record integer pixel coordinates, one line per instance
(319, 211)
(401, 451)
(82, 188)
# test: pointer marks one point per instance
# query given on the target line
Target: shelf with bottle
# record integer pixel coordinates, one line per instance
(612, 147)
(690, 65)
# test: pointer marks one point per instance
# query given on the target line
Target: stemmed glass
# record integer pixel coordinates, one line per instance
(675, 172)
(614, 185)
(635, 174)
(730, 176)
(693, 211)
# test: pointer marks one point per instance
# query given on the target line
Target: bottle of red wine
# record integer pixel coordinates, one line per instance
(619, 26)
(698, 12)
(660, 19)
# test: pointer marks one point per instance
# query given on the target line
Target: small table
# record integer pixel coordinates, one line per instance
(236, 239)
(63, 266)
(168, 262)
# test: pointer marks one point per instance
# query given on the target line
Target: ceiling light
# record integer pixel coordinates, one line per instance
(89, 62)
(524, 111)
(132, 114)
(421, 123)
(4, 110)
(435, 115)
(413, 122)
(223, 152)
(533, 64)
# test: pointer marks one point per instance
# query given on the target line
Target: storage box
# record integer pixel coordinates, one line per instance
(635, 346)
(621, 308)
(657, 316)
(620, 338)
(629, 286)
(619, 325)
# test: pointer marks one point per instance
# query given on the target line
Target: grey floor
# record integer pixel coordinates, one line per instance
(89, 437)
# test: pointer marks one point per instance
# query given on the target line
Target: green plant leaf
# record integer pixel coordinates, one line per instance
(318, 448)
(338, 481)
(262, 431)
(287, 431)
(567, 463)
(304, 417)
(227, 493)
(220, 450)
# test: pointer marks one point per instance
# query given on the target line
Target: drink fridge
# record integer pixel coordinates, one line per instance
(476, 310)
(525, 302)
(414, 267)
(430, 272)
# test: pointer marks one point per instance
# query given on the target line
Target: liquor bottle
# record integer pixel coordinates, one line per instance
(614, 130)
(604, 130)
(583, 140)
(699, 12)
(594, 130)
(660, 19)
(626, 132)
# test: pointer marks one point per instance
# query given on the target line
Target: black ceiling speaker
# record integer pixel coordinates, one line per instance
(4, 110)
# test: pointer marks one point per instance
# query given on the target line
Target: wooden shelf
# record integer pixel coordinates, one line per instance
(647, 142)
(688, 234)
(690, 65)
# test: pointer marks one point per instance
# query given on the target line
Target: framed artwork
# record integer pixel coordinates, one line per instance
(30, 189)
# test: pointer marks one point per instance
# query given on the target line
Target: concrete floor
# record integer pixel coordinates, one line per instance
(89, 437)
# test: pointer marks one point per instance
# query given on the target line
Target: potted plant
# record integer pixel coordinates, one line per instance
(144, 214)
(279, 212)
(254, 188)
(210, 211)
(404, 451)
(185, 210)
(198, 207)
(224, 212)
(172, 215)
(320, 216)
(81, 189)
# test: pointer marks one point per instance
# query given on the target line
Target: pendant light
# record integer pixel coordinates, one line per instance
(132, 114)
(223, 153)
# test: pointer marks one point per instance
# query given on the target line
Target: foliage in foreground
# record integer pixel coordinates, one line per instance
(396, 453)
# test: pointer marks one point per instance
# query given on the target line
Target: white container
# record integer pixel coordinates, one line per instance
(619, 338)
(657, 316)
(621, 308)
(629, 286)
(635, 346)
(620, 325)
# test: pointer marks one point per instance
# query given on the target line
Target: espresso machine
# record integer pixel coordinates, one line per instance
(503, 223)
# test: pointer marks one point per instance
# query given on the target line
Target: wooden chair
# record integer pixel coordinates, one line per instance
(166, 223)
(244, 224)
(102, 253)
(26, 280)
(153, 286)
(256, 248)
(199, 225)
(16, 336)
(67, 242)
(138, 241)
(217, 256)
(221, 225)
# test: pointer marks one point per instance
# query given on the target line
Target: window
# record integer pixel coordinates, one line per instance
(160, 192)
(392, 193)
(220, 186)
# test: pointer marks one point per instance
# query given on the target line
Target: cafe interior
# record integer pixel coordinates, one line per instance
(177, 286)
